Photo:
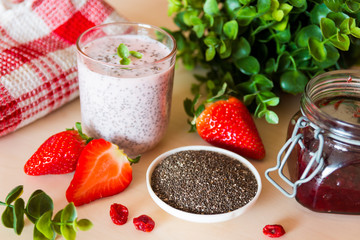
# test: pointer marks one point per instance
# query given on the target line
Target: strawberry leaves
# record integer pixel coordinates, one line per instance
(193, 108)
(39, 210)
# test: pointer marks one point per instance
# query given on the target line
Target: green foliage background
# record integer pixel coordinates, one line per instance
(260, 48)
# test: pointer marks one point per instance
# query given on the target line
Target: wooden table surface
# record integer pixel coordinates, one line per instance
(272, 207)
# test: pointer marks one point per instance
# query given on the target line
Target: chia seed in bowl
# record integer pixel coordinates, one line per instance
(203, 184)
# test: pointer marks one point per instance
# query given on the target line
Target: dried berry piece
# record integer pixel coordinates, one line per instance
(144, 223)
(274, 230)
(119, 214)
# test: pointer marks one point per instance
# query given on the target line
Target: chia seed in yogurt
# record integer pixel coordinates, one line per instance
(128, 105)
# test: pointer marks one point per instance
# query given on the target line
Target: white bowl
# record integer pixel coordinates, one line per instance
(202, 218)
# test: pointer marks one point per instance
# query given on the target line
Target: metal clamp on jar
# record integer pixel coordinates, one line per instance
(322, 152)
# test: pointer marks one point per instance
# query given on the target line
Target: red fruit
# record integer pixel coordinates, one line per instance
(228, 124)
(58, 154)
(144, 223)
(119, 214)
(103, 170)
(274, 230)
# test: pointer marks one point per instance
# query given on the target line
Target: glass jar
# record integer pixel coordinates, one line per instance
(322, 152)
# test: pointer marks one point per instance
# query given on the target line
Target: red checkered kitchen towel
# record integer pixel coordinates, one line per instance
(38, 72)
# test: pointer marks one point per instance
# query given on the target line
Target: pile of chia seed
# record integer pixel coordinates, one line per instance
(203, 182)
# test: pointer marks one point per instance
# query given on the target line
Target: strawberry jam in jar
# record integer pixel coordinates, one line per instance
(322, 152)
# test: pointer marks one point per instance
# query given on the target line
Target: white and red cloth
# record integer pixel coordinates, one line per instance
(38, 72)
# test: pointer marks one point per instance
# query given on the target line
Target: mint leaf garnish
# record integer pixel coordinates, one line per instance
(124, 54)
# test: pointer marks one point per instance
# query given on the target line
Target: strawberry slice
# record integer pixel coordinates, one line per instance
(228, 124)
(103, 170)
(58, 154)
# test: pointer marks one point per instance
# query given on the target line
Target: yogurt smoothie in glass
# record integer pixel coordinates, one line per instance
(128, 105)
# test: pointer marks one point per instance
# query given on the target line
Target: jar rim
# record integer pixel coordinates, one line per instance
(337, 83)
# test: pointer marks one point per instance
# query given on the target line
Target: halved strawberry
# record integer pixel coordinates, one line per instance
(228, 124)
(103, 170)
(58, 154)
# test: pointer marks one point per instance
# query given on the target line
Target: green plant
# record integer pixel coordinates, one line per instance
(261, 48)
(39, 210)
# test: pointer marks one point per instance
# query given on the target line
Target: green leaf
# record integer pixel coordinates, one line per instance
(44, 225)
(14, 194)
(242, 48)
(353, 6)
(337, 17)
(225, 49)
(125, 61)
(264, 5)
(57, 219)
(342, 42)
(136, 54)
(123, 51)
(272, 101)
(37, 235)
(317, 49)
(218, 95)
(355, 32)
(333, 5)
(249, 98)
(260, 110)
(278, 15)
(211, 7)
(270, 66)
(346, 25)
(68, 232)
(271, 117)
(218, 25)
(69, 213)
(281, 26)
(248, 65)
(18, 209)
(283, 62)
(307, 32)
(332, 57)
(318, 12)
(284, 36)
(199, 30)
(328, 27)
(210, 53)
(301, 55)
(245, 15)
(7, 217)
(84, 224)
(208, 20)
(211, 41)
(262, 82)
(189, 16)
(293, 82)
(195, 20)
(199, 110)
(245, 2)
(179, 21)
(231, 29)
(231, 6)
(297, 3)
(38, 204)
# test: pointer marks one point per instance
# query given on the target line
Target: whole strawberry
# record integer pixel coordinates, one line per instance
(58, 154)
(228, 124)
